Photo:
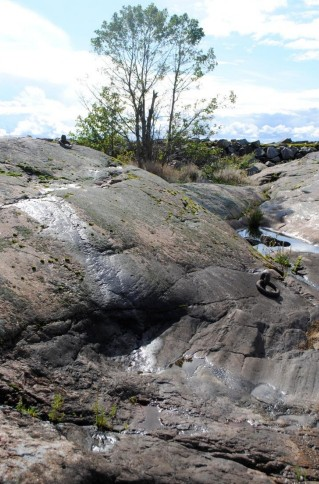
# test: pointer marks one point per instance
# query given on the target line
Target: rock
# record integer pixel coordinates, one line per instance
(293, 204)
(272, 152)
(135, 345)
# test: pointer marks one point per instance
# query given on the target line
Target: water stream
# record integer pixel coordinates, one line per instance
(295, 245)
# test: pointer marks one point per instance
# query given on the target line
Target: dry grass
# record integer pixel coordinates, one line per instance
(231, 176)
(188, 173)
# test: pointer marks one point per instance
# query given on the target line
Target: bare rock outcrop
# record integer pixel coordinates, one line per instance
(135, 346)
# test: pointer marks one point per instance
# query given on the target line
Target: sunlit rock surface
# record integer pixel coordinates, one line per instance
(136, 302)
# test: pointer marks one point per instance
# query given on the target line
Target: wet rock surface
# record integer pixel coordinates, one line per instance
(135, 346)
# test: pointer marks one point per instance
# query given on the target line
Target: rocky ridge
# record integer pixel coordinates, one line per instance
(135, 346)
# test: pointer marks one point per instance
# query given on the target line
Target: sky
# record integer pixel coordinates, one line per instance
(267, 53)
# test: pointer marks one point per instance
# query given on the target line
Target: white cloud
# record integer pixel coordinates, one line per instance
(31, 47)
(268, 134)
(269, 22)
(311, 3)
(39, 115)
(251, 97)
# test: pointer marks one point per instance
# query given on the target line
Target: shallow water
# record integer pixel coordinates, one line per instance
(296, 245)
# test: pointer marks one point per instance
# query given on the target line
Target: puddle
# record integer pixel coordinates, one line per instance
(190, 366)
(144, 358)
(102, 442)
(285, 246)
(53, 188)
(295, 245)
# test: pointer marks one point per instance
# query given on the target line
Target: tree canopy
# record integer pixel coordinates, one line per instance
(152, 61)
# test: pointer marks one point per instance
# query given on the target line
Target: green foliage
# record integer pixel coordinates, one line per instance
(9, 173)
(254, 218)
(143, 47)
(300, 474)
(282, 259)
(201, 154)
(32, 411)
(56, 415)
(101, 420)
(102, 128)
(297, 265)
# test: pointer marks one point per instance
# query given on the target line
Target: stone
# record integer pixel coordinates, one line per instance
(135, 344)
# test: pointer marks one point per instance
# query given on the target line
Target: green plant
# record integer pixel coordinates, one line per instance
(56, 415)
(282, 258)
(101, 420)
(300, 474)
(254, 218)
(297, 265)
(32, 411)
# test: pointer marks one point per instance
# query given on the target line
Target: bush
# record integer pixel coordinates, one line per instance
(254, 218)
(185, 174)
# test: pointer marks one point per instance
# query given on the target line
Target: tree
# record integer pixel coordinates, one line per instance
(152, 61)
(105, 126)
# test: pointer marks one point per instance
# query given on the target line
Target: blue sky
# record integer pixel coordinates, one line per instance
(267, 53)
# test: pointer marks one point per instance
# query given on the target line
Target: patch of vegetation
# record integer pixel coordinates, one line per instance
(190, 205)
(9, 173)
(254, 218)
(24, 410)
(297, 266)
(31, 170)
(282, 259)
(56, 415)
(101, 420)
(132, 176)
(300, 474)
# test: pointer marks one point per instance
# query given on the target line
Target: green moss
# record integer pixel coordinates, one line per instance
(191, 206)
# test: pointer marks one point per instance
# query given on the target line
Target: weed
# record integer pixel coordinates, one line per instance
(101, 420)
(300, 474)
(56, 415)
(32, 411)
(254, 218)
(113, 411)
(282, 259)
(297, 265)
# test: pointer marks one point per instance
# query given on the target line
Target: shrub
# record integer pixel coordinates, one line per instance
(56, 415)
(254, 218)
(32, 411)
